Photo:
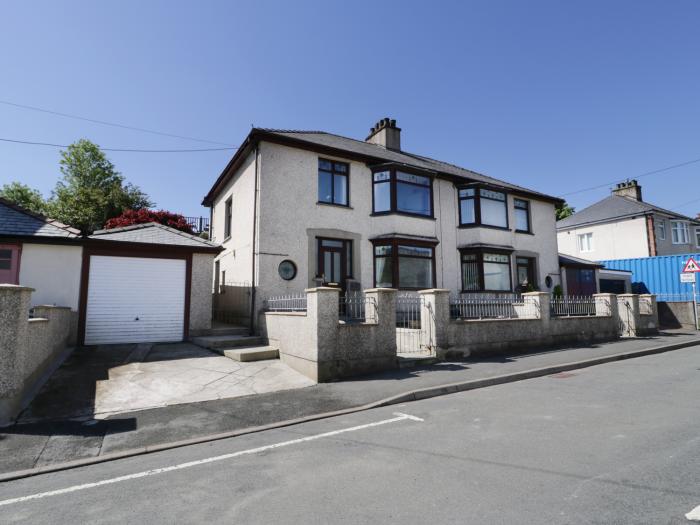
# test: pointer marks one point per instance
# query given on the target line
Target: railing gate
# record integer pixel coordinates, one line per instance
(413, 334)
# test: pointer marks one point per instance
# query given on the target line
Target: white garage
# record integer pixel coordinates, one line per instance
(135, 299)
(145, 283)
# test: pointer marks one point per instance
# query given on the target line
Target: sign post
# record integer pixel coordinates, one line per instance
(688, 275)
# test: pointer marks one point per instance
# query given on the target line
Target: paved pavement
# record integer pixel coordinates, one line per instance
(31, 445)
(615, 443)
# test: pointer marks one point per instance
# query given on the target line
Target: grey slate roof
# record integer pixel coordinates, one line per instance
(15, 220)
(153, 233)
(323, 138)
(614, 207)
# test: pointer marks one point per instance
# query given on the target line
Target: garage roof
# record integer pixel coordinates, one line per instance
(153, 233)
(16, 221)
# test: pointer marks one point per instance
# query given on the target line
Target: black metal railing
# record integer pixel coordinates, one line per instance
(198, 224)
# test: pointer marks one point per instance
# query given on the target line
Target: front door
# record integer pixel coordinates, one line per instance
(9, 264)
(334, 262)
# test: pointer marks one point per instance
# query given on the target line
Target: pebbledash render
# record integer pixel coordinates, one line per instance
(301, 209)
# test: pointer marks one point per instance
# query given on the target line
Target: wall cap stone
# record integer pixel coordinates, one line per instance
(14, 288)
(381, 290)
(322, 289)
(434, 291)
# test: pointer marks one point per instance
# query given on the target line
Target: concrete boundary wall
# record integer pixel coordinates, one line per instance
(319, 345)
(29, 348)
(323, 348)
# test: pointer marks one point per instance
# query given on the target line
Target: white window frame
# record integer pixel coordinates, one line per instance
(680, 232)
(697, 237)
(662, 229)
(588, 237)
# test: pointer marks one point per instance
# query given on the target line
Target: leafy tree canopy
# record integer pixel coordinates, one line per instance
(92, 191)
(129, 217)
(564, 210)
(24, 196)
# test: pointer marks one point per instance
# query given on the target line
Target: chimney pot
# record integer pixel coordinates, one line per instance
(385, 133)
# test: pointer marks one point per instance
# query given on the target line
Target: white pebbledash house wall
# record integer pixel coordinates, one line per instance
(623, 226)
(284, 220)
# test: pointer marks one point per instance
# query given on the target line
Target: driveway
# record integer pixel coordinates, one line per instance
(97, 382)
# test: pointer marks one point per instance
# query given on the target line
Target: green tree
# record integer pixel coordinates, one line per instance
(92, 191)
(563, 210)
(23, 196)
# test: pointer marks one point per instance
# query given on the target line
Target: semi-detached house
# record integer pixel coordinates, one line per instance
(298, 209)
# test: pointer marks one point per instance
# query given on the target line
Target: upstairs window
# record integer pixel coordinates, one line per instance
(397, 191)
(482, 206)
(228, 217)
(680, 233)
(661, 229)
(585, 242)
(522, 215)
(697, 237)
(333, 182)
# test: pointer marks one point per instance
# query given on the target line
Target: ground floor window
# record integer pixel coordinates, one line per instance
(485, 271)
(525, 272)
(406, 265)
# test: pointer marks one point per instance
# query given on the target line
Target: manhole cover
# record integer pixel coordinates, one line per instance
(562, 375)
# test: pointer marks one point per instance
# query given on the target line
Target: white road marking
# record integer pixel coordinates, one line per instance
(694, 515)
(399, 417)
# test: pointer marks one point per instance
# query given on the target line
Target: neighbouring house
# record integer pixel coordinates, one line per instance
(140, 283)
(301, 209)
(583, 277)
(623, 226)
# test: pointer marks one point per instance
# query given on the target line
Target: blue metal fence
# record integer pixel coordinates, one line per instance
(658, 275)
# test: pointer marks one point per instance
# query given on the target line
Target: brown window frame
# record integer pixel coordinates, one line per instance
(393, 182)
(527, 211)
(477, 206)
(479, 252)
(228, 218)
(346, 257)
(333, 173)
(395, 243)
(531, 270)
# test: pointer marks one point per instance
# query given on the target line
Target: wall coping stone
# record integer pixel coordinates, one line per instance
(434, 291)
(51, 306)
(38, 320)
(464, 321)
(14, 288)
(381, 290)
(298, 314)
(322, 289)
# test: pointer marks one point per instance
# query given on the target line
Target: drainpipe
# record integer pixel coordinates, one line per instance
(255, 223)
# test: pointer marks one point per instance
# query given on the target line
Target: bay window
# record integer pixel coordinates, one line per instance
(404, 264)
(680, 232)
(485, 271)
(482, 206)
(396, 191)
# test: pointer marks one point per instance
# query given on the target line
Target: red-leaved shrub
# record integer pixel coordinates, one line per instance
(129, 217)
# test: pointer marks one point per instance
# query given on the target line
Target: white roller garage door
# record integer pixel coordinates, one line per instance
(135, 300)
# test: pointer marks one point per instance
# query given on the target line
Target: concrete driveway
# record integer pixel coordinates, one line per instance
(97, 382)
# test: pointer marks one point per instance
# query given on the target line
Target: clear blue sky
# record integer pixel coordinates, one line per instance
(556, 96)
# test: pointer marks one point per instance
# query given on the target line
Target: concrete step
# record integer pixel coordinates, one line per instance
(251, 353)
(216, 342)
(412, 362)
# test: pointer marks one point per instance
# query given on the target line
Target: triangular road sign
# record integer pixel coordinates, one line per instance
(691, 266)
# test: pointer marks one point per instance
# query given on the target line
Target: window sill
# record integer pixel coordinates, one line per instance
(524, 232)
(469, 226)
(227, 238)
(333, 204)
(402, 213)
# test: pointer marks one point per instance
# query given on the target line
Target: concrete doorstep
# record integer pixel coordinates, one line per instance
(631, 350)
